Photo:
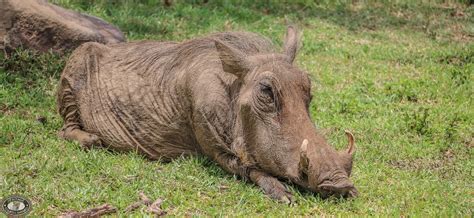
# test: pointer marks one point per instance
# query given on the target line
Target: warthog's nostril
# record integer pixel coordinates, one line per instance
(342, 188)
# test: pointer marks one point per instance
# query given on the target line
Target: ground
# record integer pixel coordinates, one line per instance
(399, 75)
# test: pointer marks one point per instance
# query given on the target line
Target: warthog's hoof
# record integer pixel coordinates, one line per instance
(89, 141)
(282, 195)
(273, 188)
(86, 139)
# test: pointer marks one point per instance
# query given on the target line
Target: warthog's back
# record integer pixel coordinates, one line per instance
(138, 96)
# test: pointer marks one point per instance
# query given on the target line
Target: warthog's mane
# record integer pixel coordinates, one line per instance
(170, 55)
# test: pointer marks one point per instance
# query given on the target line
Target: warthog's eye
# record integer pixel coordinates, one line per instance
(266, 99)
(266, 91)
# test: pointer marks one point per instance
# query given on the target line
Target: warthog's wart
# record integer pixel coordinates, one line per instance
(230, 96)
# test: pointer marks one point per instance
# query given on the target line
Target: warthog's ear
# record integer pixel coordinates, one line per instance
(291, 43)
(233, 60)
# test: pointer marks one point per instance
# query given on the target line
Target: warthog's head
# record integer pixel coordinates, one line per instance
(274, 123)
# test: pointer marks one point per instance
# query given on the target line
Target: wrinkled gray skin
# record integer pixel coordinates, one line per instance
(229, 96)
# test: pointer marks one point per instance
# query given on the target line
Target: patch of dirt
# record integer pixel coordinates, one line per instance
(458, 13)
(461, 58)
(445, 161)
(460, 34)
(41, 119)
(6, 110)
(470, 144)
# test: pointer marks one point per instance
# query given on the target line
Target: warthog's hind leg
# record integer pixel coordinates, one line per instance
(68, 109)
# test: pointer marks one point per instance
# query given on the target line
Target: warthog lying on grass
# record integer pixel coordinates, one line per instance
(229, 96)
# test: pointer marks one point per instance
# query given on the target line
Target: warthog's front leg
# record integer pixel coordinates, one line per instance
(270, 185)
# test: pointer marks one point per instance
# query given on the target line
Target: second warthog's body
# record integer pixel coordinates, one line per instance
(228, 96)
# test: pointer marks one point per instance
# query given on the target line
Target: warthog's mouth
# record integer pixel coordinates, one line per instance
(341, 188)
(334, 180)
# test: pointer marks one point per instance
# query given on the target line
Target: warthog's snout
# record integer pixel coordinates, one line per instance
(327, 171)
(344, 188)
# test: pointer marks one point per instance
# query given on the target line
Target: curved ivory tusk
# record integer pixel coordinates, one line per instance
(351, 145)
(303, 158)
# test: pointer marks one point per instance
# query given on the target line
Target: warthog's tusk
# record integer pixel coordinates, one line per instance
(304, 145)
(351, 145)
(303, 158)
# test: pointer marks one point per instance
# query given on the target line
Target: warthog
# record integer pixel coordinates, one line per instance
(229, 96)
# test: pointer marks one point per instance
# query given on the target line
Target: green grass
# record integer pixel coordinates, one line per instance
(399, 75)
